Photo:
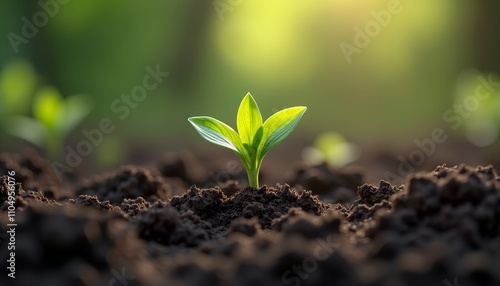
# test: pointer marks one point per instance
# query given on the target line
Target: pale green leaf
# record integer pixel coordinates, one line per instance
(77, 107)
(336, 150)
(249, 119)
(27, 129)
(217, 132)
(278, 127)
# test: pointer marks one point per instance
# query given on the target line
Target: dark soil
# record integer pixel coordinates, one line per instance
(153, 226)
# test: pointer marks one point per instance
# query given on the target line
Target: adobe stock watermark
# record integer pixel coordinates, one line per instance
(11, 224)
(297, 273)
(455, 116)
(363, 37)
(121, 108)
(120, 278)
(224, 6)
(30, 28)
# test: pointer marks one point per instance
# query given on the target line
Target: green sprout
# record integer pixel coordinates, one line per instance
(480, 123)
(332, 148)
(255, 138)
(53, 119)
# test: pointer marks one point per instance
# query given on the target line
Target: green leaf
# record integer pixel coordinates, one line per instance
(27, 129)
(278, 127)
(218, 133)
(249, 119)
(77, 107)
(48, 106)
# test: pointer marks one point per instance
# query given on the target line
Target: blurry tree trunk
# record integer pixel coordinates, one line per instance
(486, 37)
(188, 58)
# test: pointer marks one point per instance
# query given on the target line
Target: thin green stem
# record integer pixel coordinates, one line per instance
(54, 146)
(253, 177)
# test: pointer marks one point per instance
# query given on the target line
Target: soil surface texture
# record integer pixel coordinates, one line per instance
(172, 224)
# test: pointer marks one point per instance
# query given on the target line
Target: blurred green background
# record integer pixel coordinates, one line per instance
(285, 53)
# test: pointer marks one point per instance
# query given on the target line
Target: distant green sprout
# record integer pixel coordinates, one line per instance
(53, 119)
(480, 122)
(332, 148)
(255, 138)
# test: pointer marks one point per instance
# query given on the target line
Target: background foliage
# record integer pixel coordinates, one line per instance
(285, 53)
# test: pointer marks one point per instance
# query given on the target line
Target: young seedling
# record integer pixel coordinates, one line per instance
(53, 119)
(480, 125)
(331, 148)
(255, 138)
